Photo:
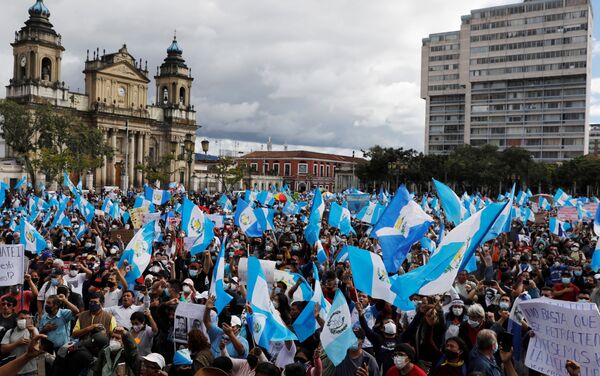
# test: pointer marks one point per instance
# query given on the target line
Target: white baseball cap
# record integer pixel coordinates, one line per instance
(157, 359)
(236, 321)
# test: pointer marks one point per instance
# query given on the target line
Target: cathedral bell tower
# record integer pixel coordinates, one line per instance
(37, 51)
(174, 80)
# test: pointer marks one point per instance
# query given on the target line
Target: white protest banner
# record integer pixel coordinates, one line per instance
(563, 331)
(267, 266)
(12, 264)
(149, 217)
(188, 316)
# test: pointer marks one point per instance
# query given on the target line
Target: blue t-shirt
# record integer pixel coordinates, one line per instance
(215, 334)
(62, 320)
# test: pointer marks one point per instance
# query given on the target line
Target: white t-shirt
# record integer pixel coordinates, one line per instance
(123, 315)
(76, 282)
(111, 298)
(14, 335)
(46, 290)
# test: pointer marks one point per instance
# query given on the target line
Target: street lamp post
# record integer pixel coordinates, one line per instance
(124, 173)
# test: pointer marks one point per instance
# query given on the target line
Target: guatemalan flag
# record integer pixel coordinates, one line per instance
(313, 229)
(544, 204)
(556, 226)
(61, 218)
(81, 230)
(370, 276)
(140, 202)
(31, 238)
(370, 213)
(437, 276)
(245, 219)
(157, 196)
(339, 217)
(265, 322)
(561, 197)
(192, 218)
(337, 335)
(265, 217)
(596, 258)
(597, 222)
(138, 252)
(225, 203)
(69, 184)
(402, 224)
(306, 324)
(453, 209)
(21, 182)
(217, 288)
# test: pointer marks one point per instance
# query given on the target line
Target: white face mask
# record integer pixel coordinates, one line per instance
(186, 289)
(21, 324)
(389, 328)
(114, 345)
(73, 273)
(473, 323)
(457, 311)
(400, 361)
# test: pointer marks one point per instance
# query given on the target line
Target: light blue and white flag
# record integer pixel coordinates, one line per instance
(192, 219)
(596, 258)
(339, 217)
(21, 182)
(561, 197)
(370, 276)
(206, 237)
(428, 245)
(217, 286)
(454, 211)
(402, 224)
(556, 226)
(438, 275)
(291, 208)
(31, 238)
(597, 222)
(140, 201)
(265, 217)
(371, 213)
(225, 203)
(583, 213)
(245, 219)
(61, 218)
(138, 252)
(337, 335)
(306, 324)
(157, 196)
(544, 204)
(81, 231)
(265, 322)
(69, 184)
(265, 198)
(313, 229)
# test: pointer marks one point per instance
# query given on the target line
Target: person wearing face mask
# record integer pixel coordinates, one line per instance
(121, 349)
(25, 296)
(77, 275)
(403, 358)
(94, 320)
(56, 321)
(454, 317)
(475, 323)
(111, 290)
(565, 289)
(356, 358)
(482, 359)
(16, 340)
(49, 288)
(143, 335)
(237, 345)
(452, 362)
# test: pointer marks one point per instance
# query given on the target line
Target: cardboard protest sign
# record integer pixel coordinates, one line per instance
(136, 215)
(12, 264)
(267, 266)
(563, 331)
(188, 316)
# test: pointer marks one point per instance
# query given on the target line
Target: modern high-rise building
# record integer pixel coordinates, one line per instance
(513, 75)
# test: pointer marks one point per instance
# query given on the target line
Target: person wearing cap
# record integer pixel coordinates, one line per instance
(383, 341)
(78, 274)
(453, 362)
(153, 364)
(182, 364)
(454, 317)
(188, 291)
(237, 346)
(403, 359)
(356, 358)
(49, 288)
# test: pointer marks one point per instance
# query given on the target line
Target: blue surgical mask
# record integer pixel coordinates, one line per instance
(504, 305)
(578, 273)
(167, 293)
(54, 281)
(566, 281)
(193, 273)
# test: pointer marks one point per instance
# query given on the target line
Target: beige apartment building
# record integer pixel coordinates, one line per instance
(513, 75)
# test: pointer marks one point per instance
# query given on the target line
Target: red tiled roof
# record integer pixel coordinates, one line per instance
(300, 154)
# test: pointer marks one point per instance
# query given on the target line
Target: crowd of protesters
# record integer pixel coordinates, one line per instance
(76, 314)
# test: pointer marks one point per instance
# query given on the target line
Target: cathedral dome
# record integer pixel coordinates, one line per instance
(174, 47)
(39, 9)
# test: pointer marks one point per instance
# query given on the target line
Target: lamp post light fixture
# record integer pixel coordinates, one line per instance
(204, 144)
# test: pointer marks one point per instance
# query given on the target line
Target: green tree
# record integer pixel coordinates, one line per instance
(157, 170)
(19, 133)
(228, 172)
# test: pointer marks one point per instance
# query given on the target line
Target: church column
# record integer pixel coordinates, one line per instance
(113, 145)
(104, 168)
(140, 157)
(146, 149)
(131, 158)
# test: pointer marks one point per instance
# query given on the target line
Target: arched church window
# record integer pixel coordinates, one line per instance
(165, 95)
(46, 69)
(182, 96)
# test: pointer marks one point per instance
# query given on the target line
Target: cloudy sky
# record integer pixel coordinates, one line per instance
(335, 75)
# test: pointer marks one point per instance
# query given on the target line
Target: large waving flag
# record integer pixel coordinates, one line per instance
(453, 209)
(138, 252)
(61, 218)
(402, 224)
(556, 226)
(561, 197)
(265, 217)
(370, 276)
(21, 182)
(157, 196)
(306, 324)
(437, 276)
(85, 208)
(205, 238)
(339, 217)
(245, 219)
(217, 288)
(31, 238)
(583, 213)
(265, 322)
(225, 203)
(596, 258)
(503, 222)
(597, 222)
(81, 230)
(313, 229)
(337, 335)
(370, 213)
(140, 201)
(69, 184)
(192, 218)
(544, 204)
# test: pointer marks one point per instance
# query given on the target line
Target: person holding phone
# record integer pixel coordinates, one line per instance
(17, 339)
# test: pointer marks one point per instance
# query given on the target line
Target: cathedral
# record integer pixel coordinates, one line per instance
(115, 101)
